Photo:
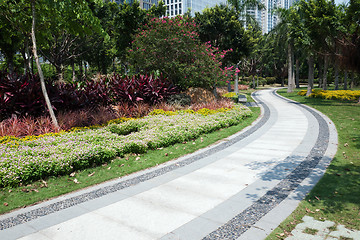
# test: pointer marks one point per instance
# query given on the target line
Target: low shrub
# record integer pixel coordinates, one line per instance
(344, 95)
(181, 99)
(270, 80)
(21, 95)
(243, 87)
(233, 96)
(215, 104)
(230, 95)
(138, 88)
(24, 126)
(125, 128)
(133, 110)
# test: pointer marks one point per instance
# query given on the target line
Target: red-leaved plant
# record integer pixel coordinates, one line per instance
(140, 88)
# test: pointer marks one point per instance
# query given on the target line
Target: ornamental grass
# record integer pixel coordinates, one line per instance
(22, 162)
(344, 95)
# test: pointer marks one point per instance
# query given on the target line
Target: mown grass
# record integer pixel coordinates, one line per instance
(12, 198)
(336, 197)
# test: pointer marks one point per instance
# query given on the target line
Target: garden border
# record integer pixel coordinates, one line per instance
(7, 222)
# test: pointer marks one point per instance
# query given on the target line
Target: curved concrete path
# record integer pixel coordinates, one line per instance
(241, 188)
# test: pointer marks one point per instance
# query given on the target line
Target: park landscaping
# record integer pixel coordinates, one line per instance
(336, 196)
(129, 95)
(144, 146)
(109, 94)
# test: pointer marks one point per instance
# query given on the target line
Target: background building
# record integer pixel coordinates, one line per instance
(179, 7)
(144, 4)
(268, 17)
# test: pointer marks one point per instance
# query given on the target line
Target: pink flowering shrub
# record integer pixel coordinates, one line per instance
(172, 46)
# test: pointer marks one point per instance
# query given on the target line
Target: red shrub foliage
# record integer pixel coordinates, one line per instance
(24, 126)
(21, 95)
(216, 104)
(140, 88)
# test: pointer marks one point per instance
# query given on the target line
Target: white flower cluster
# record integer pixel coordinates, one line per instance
(58, 155)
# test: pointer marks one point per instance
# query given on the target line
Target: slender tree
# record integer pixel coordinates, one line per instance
(41, 75)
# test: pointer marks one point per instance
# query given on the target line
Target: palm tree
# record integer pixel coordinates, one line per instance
(241, 6)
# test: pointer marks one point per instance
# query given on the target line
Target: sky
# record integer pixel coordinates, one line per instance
(341, 1)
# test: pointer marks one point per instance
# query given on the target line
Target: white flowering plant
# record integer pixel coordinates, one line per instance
(26, 161)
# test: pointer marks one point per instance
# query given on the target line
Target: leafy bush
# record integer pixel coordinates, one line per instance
(230, 95)
(222, 103)
(97, 92)
(172, 46)
(21, 95)
(140, 88)
(270, 80)
(233, 96)
(262, 81)
(26, 126)
(125, 128)
(181, 99)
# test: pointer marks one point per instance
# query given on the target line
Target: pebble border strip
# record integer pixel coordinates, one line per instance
(242, 222)
(67, 203)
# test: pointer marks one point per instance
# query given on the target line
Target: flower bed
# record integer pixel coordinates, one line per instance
(347, 95)
(26, 161)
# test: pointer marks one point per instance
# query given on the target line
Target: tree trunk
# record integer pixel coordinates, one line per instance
(27, 57)
(326, 63)
(73, 71)
(10, 63)
(320, 77)
(85, 69)
(336, 76)
(42, 80)
(345, 80)
(114, 64)
(291, 84)
(297, 80)
(215, 92)
(236, 87)
(310, 76)
(60, 73)
(81, 70)
(253, 80)
(352, 79)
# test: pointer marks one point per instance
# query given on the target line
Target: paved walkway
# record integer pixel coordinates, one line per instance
(241, 188)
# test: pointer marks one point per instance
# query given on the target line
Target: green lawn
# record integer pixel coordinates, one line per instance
(336, 197)
(12, 198)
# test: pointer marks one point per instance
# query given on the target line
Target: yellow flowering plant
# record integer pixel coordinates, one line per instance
(344, 95)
